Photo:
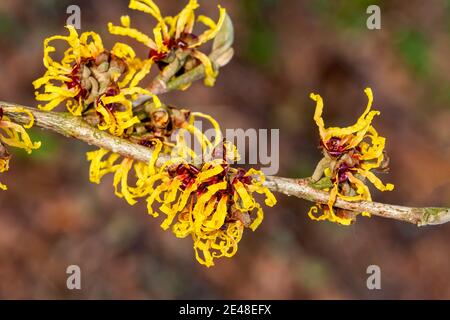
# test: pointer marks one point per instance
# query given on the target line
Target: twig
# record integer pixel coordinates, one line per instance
(77, 128)
(301, 188)
(159, 83)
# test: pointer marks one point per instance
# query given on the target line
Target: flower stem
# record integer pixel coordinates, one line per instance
(75, 127)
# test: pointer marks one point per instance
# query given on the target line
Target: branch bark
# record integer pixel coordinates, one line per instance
(74, 127)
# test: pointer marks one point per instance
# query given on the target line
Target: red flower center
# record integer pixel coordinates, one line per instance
(334, 146)
(75, 79)
(172, 44)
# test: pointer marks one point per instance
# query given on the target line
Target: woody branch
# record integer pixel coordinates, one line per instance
(75, 127)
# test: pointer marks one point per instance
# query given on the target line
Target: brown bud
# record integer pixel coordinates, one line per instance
(179, 117)
(102, 57)
(98, 77)
(160, 118)
(190, 64)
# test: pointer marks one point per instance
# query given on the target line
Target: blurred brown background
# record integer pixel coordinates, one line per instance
(53, 217)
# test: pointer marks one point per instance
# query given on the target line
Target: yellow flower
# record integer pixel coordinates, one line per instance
(337, 140)
(172, 33)
(349, 156)
(213, 204)
(90, 78)
(14, 135)
(103, 162)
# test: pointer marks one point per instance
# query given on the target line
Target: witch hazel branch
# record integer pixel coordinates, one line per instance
(201, 193)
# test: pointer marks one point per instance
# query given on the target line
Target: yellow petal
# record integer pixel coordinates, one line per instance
(205, 175)
(259, 218)
(248, 202)
(210, 73)
(376, 181)
(213, 28)
(318, 114)
(218, 133)
(186, 19)
(132, 33)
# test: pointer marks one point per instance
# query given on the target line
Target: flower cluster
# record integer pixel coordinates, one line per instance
(159, 123)
(212, 202)
(93, 81)
(14, 135)
(199, 193)
(172, 34)
(350, 156)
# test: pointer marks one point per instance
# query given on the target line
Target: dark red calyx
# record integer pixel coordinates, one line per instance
(344, 168)
(334, 146)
